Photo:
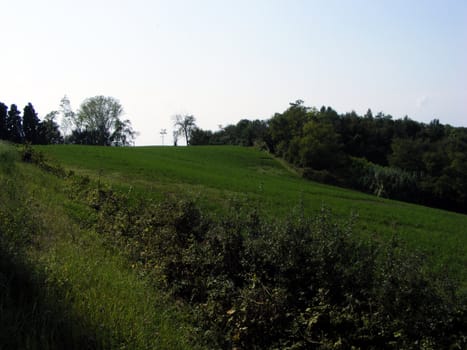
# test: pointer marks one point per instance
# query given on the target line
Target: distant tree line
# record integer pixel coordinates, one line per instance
(395, 158)
(97, 122)
(28, 128)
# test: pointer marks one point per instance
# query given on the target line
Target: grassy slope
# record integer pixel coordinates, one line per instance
(61, 288)
(216, 174)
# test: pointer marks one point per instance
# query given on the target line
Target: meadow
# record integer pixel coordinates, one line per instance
(216, 175)
(143, 248)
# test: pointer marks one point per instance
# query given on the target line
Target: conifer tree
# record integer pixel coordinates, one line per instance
(31, 124)
(13, 124)
(3, 117)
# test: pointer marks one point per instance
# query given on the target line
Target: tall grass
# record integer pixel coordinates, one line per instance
(8, 157)
(60, 286)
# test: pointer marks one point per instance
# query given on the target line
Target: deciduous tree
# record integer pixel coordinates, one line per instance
(98, 122)
(184, 125)
(49, 132)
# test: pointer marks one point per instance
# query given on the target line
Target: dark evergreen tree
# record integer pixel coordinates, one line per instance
(3, 118)
(30, 124)
(14, 127)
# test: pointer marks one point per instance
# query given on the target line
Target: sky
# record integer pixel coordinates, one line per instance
(226, 60)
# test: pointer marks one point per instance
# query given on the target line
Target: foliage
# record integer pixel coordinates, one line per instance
(28, 128)
(31, 124)
(244, 133)
(184, 126)
(98, 122)
(319, 148)
(306, 282)
(385, 181)
(49, 130)
(322, 141)
(3, 121)
(302, 283)
(61, 288)
(14, 126)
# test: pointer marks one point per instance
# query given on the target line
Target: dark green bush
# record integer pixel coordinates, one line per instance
(299, 284)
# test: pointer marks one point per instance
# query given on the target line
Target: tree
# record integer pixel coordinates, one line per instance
(283, 128)
(49, 132)
(3, 118)
(320, 147)
(13, 124)
(200, 137)
(30, 124)
(407, 154)
(98, 122)
(185, 125)
(68, 116)
(123, 134)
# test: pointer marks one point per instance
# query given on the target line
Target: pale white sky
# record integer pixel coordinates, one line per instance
(226, 60)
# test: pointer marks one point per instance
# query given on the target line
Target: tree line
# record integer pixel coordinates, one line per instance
(395, 158)
(97, 122)
(28, 128)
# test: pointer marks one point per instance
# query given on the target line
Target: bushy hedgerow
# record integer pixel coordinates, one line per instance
(303, 283)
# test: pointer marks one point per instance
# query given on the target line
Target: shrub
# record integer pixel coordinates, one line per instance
(299, 284)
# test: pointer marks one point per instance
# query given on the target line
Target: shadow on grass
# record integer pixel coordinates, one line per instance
(31, 316)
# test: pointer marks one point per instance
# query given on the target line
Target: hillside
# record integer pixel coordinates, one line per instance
(61, 287)
(214, 175)
(215, 247)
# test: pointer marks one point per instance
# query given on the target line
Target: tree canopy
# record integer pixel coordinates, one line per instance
(400, 159)
(98, 122)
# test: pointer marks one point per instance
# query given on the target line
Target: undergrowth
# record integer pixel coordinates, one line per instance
(307, 282)
(60, 286)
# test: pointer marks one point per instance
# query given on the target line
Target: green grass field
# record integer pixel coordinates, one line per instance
(64, 286)
(214, 175)
(61, 287)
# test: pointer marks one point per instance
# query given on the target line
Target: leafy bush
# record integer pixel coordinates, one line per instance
(31, 155)
(300, 284)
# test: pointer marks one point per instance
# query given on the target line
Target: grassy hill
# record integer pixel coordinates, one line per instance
(61, 287)
(115, 256)
(215, 175)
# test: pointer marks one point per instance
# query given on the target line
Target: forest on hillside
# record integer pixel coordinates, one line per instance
(395, 158)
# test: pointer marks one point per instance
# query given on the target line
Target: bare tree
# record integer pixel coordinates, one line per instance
(184, 125)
